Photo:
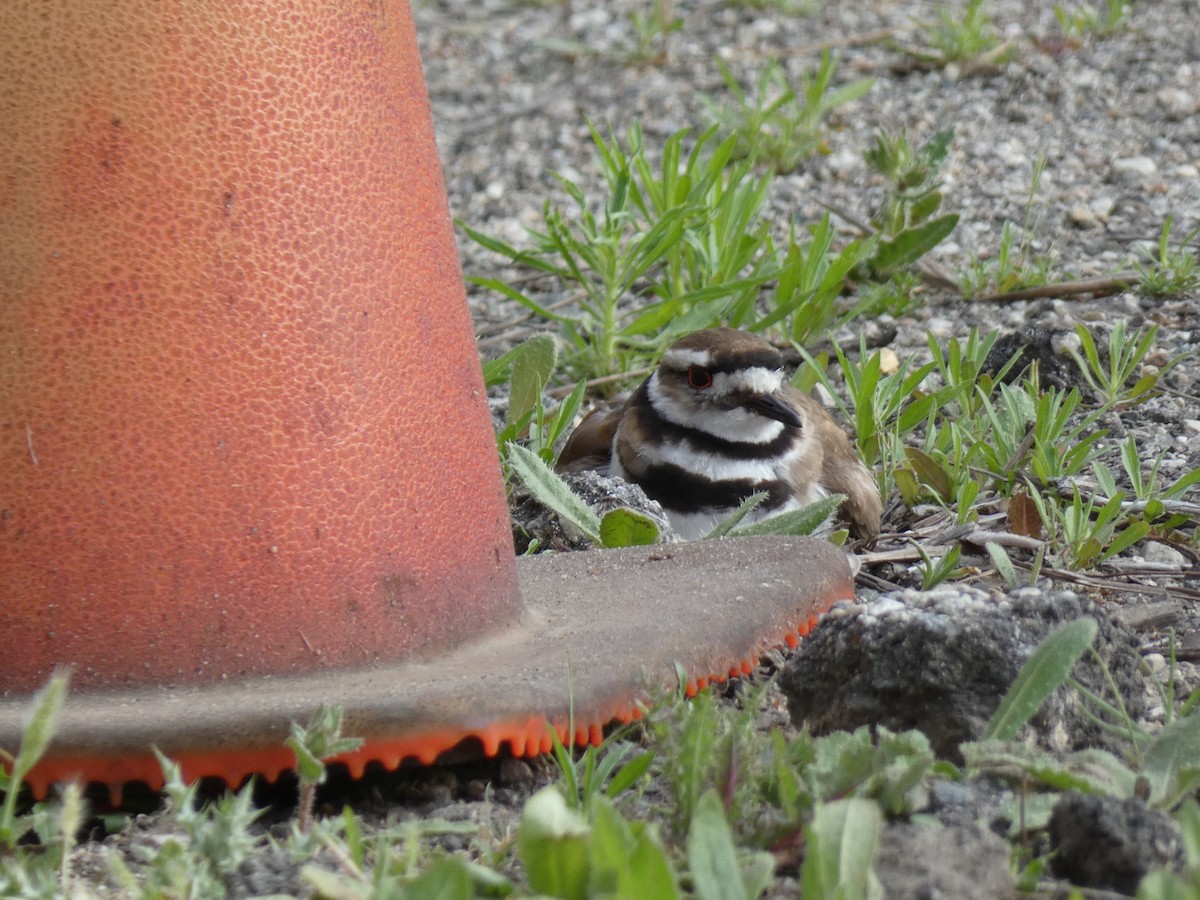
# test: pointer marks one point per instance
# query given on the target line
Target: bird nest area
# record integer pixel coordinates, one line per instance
(1082, 133)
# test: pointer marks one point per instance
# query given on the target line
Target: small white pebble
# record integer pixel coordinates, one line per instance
(1176, 102)
(1140, 165)
(1082, 216)
(1103, 207)
(889, 362)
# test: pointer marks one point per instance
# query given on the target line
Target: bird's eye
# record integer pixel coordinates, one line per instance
(699, 377)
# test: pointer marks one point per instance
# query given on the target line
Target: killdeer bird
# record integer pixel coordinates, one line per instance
(717, 422)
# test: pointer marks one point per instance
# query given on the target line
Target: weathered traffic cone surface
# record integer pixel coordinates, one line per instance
(243, 417)
(246, 464)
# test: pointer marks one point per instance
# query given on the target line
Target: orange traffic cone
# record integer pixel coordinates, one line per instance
(246, 463)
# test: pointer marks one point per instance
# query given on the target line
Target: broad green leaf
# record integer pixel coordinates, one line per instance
(552, 841)
(308, 767)
(937, 147)
(1173, 750)
(1130, 535)
(564, 414)
(648, 875)
(1141, 386)
(1045, 670)
(1028, 812)
(926, 206)
(798, 521)
(352, 835)
(1091, 771)
(531, 369)
(1188, 817)
(1181, 485)
(712, 858)
(913, 243)
(842, 839)
(848, 92)
(551, 491)
(1164, 884)
(488, 882)
(907, 485)
(446, 879)
(331, 886)
(623, 527)
(609, 846)
(1002, 563)
(930, 472)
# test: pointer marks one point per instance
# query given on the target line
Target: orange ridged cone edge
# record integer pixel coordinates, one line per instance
(246, 462)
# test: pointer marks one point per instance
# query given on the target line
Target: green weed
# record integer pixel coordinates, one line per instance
(312, 745)
(1110, 377)
(651, 31)
(776, 125)
(1173, 269)
(789, 7)
(1015, 265)
(528, 369)
(676, 246)
(42, 870)
(907, 219)
(1080, 21)
(958, 37)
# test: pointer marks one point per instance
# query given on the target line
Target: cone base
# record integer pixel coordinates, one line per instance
(602, 630)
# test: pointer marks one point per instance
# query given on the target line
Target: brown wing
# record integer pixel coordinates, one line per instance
(590, 444)
(842, 472)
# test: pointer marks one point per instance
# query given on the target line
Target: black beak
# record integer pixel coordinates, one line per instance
(773, 408)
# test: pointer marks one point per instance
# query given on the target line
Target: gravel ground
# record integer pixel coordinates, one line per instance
(1117, 120)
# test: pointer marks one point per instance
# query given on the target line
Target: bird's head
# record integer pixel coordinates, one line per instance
(727, 383)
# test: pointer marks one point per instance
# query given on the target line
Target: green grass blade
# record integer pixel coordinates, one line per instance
(727, 524)
(797, 521)
(552, 491)
(1045, 670)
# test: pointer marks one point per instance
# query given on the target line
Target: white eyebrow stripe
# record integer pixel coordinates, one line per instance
(737, 425)
(755, 380)
(679, 357)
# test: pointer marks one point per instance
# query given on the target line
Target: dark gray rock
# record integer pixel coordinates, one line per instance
(931, 862)
(1103, 842)
(1035, 344)
(941, 661)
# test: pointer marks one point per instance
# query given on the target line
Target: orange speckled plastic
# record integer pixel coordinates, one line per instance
(242, 423)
